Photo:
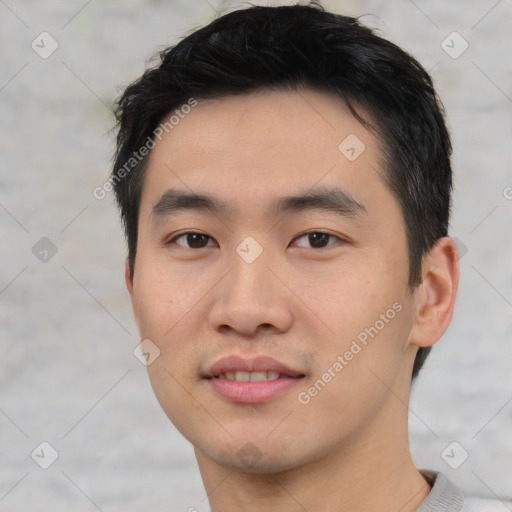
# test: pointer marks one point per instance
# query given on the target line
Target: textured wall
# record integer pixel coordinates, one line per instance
(67, 372)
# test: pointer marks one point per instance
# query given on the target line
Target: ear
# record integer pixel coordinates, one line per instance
(128, 277)
(435, 296)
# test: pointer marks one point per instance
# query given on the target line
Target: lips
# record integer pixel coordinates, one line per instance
(251, 381)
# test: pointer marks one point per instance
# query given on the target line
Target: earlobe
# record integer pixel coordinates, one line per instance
(436, 294)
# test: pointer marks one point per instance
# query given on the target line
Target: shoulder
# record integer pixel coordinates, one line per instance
(446, 497)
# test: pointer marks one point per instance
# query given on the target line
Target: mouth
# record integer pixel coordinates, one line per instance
(254, 380)
(241, 376)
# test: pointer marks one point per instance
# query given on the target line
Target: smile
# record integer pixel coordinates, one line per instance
(251, 380)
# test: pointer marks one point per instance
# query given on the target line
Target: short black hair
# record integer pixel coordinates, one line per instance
(293, 47)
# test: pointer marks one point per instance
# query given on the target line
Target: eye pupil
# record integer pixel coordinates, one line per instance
(192, 238)
(314, 238)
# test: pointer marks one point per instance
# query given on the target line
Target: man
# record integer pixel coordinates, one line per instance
(284, 180)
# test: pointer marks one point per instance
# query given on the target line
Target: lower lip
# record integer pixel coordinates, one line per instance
(252, 392)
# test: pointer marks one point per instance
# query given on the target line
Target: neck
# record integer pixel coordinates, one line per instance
(374, 472)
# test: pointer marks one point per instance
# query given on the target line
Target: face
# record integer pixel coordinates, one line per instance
(281, 306)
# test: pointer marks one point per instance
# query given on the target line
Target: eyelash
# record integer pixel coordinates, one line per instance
(169, 242)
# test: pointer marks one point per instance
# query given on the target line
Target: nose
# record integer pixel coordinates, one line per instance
(252, 300)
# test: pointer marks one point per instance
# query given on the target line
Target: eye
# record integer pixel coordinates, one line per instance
(317, 239)
(193, 239)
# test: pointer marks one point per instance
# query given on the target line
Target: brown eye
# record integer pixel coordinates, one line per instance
(192, 240)
(317, 239)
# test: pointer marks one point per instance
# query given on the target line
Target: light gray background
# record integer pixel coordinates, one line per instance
(67, 372)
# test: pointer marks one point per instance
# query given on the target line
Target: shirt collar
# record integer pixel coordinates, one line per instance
(443, 497)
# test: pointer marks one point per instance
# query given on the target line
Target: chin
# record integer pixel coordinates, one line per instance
(257, 457)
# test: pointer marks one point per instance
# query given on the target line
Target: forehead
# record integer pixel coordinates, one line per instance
(285, 120)
(246, 148)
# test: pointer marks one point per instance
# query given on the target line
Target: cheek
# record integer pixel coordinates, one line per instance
(161, 299)
(172, 389)
(168, 305)
(347, 300)
(368, 318)
(353, 374)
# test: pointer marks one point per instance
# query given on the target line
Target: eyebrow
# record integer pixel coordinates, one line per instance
(330, 199)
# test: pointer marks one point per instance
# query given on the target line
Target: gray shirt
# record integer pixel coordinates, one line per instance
(443, 497)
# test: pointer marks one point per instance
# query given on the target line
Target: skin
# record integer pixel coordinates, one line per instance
(347, 449)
